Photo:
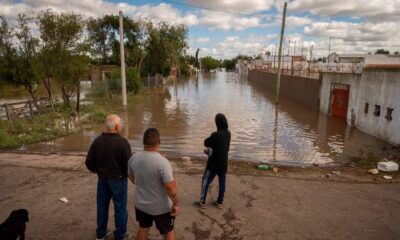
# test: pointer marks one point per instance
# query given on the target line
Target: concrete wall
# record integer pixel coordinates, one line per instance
(303, 90)
(326, 88)
(379, 87)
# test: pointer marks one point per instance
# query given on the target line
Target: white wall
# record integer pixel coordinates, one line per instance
(378, 87)
(382, 88)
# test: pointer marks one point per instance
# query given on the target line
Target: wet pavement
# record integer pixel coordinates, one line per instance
(184, 114)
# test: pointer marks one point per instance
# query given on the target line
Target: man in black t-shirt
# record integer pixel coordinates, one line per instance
(108, 157)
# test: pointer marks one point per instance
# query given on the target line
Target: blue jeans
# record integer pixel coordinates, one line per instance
(117, 190)
(208, 177)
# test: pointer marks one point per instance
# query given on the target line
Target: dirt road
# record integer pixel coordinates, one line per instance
(298, 205)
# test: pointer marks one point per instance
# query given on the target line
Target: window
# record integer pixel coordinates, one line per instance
(377, 111)
(366, 108)
(389, 112)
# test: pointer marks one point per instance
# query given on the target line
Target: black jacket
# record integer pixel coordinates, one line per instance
(108, 156)
(219, 141)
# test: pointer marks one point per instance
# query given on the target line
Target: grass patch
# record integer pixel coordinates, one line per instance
(368, 161)
(23, 131)
(20, 132)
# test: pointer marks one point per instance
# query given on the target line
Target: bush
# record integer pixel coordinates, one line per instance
(97, 115)
(133, 81)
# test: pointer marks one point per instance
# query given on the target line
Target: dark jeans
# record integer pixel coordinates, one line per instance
(117, 190)
(208, 177)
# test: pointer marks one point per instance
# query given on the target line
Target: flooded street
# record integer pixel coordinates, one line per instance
(184, 114)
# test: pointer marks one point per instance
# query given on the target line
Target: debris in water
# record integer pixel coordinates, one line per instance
(337, 173)
(186, 158)
(387, 177)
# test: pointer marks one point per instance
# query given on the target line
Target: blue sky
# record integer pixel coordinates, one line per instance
(225, 28)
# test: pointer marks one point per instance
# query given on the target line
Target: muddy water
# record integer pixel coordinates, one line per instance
(184, 114)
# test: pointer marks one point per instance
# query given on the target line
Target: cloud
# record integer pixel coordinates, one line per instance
(162, 12)
(226, 21)
(372, 10)
(239, 6)
(293, 21)
(202, 40)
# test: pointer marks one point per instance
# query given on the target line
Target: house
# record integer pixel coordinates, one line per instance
(369, 99)
(346, 58)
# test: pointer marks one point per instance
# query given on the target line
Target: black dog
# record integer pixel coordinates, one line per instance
(15, 225)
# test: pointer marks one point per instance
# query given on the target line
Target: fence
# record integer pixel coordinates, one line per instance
(21, 109)
(154, 81)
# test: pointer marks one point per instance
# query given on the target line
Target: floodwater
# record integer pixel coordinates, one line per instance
(184, 114)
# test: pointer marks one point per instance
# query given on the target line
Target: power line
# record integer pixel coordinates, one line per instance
(217, 10)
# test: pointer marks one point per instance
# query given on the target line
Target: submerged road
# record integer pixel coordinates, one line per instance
(256, 207)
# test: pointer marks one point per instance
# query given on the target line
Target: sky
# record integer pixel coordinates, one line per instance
(226, 28)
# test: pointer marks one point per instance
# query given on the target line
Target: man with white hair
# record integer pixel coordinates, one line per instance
(108, 157)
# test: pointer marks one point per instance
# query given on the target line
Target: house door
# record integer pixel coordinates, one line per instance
(340, 101)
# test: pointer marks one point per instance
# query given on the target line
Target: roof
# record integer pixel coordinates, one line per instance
(354, 55)
(382, 61)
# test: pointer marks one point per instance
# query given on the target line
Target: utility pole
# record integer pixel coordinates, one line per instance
(329, 51)
(278, 79)
(122, 51)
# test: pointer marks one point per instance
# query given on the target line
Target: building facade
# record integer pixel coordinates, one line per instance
(369, 101)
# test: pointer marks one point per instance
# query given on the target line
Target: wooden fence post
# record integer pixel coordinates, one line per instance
(30, 108)
(7, 111)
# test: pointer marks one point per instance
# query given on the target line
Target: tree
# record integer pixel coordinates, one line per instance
(59, 34)
(26, 57)
(104, 36)
(7, 52)
(229, 64)
(165, 46)
(208, 63)
(396, 53)
(382, 51)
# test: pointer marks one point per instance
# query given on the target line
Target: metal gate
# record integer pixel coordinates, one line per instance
(340, 100)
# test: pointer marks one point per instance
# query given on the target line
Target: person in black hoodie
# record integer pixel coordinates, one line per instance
(217, 164)
(108, 157)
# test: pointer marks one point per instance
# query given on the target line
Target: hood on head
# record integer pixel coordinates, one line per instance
(221, 122)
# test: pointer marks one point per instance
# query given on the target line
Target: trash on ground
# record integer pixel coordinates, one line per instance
(387, 177)
(373, 171)
(186, 158)
(327, 175)
(263, 166)
(275, 169)
(64, 199)
(388, 166)
(337, 173)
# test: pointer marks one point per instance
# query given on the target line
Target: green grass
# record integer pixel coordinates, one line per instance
(21, 132)
(368, 161)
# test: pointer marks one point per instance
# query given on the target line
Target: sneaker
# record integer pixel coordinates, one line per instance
(127, 236)
(105, 236)
(217, 205)
(200, 205)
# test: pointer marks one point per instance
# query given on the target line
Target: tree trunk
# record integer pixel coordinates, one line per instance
(47, 84)
(65, 95)
(78, 96)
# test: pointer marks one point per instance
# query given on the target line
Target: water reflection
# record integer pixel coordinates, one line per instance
(184, 114)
